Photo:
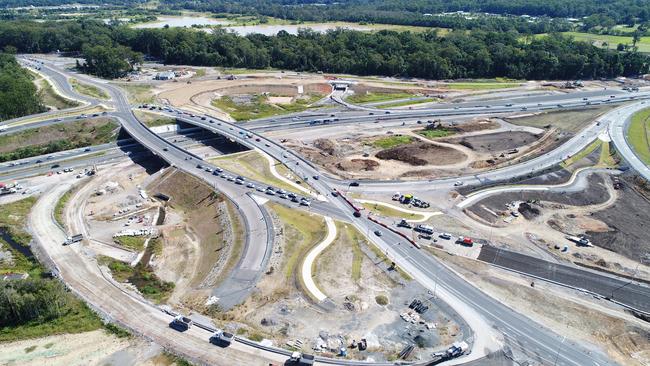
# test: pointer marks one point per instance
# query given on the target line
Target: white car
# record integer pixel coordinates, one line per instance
(250, 185)
(458, 184)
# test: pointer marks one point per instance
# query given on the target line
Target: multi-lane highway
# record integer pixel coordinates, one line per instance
(486, 316)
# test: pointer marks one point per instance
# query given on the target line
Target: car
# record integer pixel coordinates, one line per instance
(203, 118)
(258, 139)
(335, 193)
(445, 236)
(250, 185)
(281, 191)
(39, 161)
(221, 338)
(165, 149)
(209, 170)
(378, 233)
(270, 192)
(223, 175)
(230, 179)
(458, 184)
(284, 196)
(295, 199)
(316, 177)
(291, 195)
(55, 166)
(305, 202)
(259, 189)
(199, 166)
(354, 184)
(219, 170)
(267, 145)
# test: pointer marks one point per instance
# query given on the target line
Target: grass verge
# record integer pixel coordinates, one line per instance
(132, 242)
(57, 137)
(252, 165)
(638, 134)
(50, 97)
(370, 97)
(582, 154)
(406, 103)
(88, 90)
(138, 93)
(435, 133)
(142, 277)
(15, 240)
(154, 119)
(386, 211)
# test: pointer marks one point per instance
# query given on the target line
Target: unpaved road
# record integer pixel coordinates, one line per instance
(84, 277)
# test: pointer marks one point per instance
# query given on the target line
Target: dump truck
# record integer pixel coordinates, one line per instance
(73, 239)
(221, 338)
(181, 323)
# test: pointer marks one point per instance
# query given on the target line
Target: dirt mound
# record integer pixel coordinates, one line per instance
(422, 153)
(327, 146)
(357, 165)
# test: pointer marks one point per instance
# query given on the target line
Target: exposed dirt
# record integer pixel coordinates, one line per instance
(198, 243)
(623, 226)
(422, 153)
(495, 142)
(357, 165)
(625, 339)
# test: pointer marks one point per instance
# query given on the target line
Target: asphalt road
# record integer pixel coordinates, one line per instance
(481, 311)
(618, 133)
(625, 291)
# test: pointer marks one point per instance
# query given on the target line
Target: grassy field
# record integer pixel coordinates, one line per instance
(406, 103)
(12, 224)
(371, 97)
(301, 232)
(138, 93)
(356, 240)
(132, 242)
(89, 90)
(438, 132)
(259, 106)
(568, 121)
(252, 165)
(57, 137)
(154, 119)
(582, 154)
(638, 135)
(392, 141)
(390, 212)
(611, 42)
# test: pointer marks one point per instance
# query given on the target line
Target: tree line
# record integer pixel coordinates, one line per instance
(459, 54)
(18, 94)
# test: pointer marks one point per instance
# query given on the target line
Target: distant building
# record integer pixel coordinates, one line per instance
(165, 75)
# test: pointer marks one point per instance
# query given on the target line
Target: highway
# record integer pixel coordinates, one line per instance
(484, 314)
(618, 133)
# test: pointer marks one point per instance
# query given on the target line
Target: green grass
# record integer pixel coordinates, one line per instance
(357, 254)
(142, 277)
(435, 133)
(60, 207)
(132, 242)
(638, 134)
(582, 154)
(392, 141)
(371, 97)
(88, 90)
(138, 93)
(381, 299)
(252, 165)
(569, 120)
(302, 231)
(612, 41)
(406, 103)
(117, 331)
(390, 212)
(260, 107)
(13, 218)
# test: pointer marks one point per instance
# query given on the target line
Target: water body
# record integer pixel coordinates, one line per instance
(242, 30)
(184, 21)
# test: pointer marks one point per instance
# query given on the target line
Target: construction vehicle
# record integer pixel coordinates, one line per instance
(301, 359)
(465, 240)
(221, 338)
(424, 229)
(181, 323)
(581, 240)
(404, 224)
(73, 239)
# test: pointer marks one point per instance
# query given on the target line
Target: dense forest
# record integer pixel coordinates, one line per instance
(18, 94)
(478, 54)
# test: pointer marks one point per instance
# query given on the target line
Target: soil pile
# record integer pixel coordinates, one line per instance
(422, 153)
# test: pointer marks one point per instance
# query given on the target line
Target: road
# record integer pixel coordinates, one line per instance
(634, 295)
(618, 134)
(483, 313)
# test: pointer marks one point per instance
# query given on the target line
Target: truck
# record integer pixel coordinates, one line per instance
(73, 239)
(580, 240)
(457, 349)
(221, 338)
(181, 323)
(301, 359)
(424, 229)
(465, 240)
